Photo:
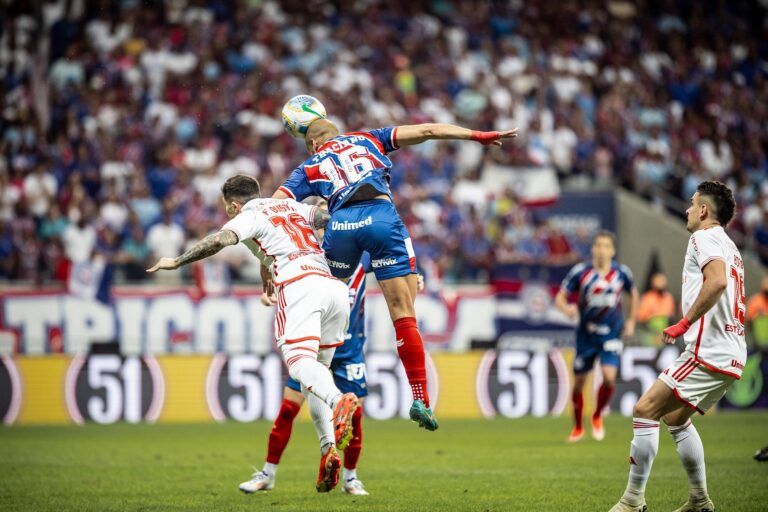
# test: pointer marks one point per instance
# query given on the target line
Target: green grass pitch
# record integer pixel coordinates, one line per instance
(475, 465)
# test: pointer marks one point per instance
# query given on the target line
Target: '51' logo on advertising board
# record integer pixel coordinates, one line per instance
(107, 388)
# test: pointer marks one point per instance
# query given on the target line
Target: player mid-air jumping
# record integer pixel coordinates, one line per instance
(715, 351)
(599, 285)
(312, 306)
(351, 171)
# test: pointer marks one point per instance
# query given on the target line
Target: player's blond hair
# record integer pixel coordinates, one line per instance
(320, 131)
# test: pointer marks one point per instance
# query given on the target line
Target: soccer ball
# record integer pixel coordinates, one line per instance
(299, 112)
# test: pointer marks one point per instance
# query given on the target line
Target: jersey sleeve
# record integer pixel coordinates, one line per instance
(706, 248)
(244, 225)
(297, 185)
(571, 282)
(627, 277)
(387, 137)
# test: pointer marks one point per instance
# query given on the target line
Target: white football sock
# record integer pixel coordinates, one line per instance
(349, 474)
(270, 469)
(642, 451)
(691, 453)
(322, 417)
(314, 376)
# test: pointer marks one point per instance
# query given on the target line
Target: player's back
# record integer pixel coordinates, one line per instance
(279, 232)
(716, 339)
(344, 166)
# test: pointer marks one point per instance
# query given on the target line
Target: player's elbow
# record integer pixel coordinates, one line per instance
(719, 284)
(429, 131)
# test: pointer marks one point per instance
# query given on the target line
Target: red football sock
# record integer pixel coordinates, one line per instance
(281, 430)
(352, 452)
(411, 351)
(604, 395)
(578, 406)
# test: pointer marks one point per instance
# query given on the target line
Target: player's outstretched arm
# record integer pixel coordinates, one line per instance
(715, 282)
(408, 135)
(206, 247)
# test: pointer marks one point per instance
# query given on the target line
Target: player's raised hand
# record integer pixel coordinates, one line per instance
(488, 138)
(164, 264)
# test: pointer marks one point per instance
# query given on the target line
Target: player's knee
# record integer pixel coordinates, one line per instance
(643, 409)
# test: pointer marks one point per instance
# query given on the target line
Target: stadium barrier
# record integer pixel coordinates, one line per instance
(107, 388)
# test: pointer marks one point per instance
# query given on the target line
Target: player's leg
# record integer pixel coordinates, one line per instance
(279, 436)
(349, 375)
(655, 403)
(583, 362)
(334, 320)
(300, 307)
(609, 367)
(697, 391)
(387, 241)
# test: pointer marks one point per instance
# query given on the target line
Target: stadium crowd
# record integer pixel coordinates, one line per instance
(120, 120)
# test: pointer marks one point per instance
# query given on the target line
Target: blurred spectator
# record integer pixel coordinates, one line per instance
(761, 239)
(166, 238)
(757, 314)
(40, 190)
(79, 238)
(135, 254)
(657, 302)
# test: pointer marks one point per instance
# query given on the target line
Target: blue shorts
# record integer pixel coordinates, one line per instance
(373, 226)
(589, 346)
(348, 374)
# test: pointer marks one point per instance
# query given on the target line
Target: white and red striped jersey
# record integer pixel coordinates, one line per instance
(280, 233)
(717, 338)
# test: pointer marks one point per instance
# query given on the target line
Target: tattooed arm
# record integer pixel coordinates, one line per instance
(206, 247)
(321, 218)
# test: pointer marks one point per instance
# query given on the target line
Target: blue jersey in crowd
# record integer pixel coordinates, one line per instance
(344, 164)
(599, 296)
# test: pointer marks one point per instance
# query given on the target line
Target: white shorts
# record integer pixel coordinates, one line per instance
(694, 385)
(312, 309)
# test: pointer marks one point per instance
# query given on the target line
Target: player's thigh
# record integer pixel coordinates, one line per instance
(587, 351)
(693, 386)
(656, 402)
(400, 294)
(340, 242)
(610, 359)
(387, 240)
(335, 315)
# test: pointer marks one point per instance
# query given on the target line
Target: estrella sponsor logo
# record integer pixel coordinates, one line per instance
(350, 226)
(383, 262)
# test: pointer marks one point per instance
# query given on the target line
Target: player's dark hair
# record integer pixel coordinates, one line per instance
(240, 188)
(604, 233)
(721, 198)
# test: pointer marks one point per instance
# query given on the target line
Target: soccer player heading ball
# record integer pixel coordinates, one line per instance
(601, 324)
(715, 351)
(351, 171)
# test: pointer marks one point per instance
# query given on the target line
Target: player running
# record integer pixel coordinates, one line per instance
(351, 171)
(601, 325)
(715, 351)
(313, 306)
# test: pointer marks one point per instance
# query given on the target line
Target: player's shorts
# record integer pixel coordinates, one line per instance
(348, 375)
(589, 346)
(373, 226)
(694, 385)
(313, 308)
